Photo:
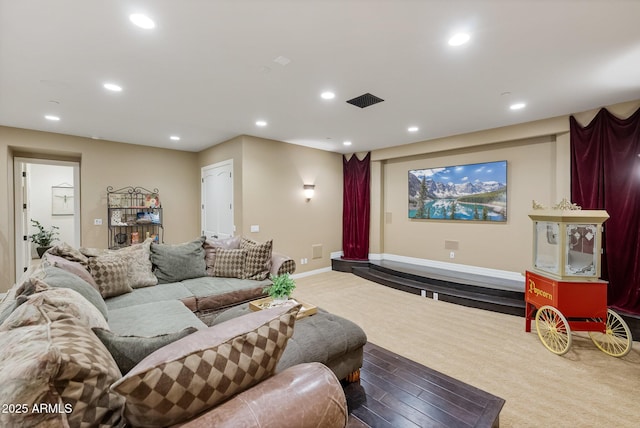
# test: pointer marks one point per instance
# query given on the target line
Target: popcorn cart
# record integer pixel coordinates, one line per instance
(563, 292)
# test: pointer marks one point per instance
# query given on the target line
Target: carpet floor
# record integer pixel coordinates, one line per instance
(491, 351)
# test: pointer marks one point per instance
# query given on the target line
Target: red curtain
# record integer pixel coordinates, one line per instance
(605, 174)
(355, 207)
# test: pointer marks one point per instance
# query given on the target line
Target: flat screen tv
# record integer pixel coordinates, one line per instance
(472, 192)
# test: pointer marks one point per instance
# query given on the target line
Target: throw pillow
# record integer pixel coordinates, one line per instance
(130, 350)
(230, 263)
(15, 317)
(139, 268)
(173, 263)
(66, 251)
(75, 268)
(211, 244)
(110, 273)
(258, 264)
(54, 304)
(59, 278)
(60, 365)
(205, 368)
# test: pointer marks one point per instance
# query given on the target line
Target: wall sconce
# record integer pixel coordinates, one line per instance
(309, 190)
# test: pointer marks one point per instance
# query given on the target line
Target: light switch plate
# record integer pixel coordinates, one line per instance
(255, 228)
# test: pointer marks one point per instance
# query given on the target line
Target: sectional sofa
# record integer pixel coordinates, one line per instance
(109, 337)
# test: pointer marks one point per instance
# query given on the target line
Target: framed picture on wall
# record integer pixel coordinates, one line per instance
(472, 192)
(62, 202)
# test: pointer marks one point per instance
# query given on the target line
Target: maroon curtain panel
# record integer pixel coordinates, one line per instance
(605, 174)
(356, 207)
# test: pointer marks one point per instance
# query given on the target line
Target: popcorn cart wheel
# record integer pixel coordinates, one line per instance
(554, 332)
(561, 307)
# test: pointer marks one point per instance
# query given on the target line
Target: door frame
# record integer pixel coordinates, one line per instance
(20, 228)
(229, 163)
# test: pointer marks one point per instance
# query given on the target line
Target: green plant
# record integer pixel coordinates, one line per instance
(282, 286)
(44, 237)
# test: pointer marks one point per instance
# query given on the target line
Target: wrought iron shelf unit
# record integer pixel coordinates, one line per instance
(134, 214)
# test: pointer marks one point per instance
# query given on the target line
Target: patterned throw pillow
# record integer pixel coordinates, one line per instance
(258, 264)
(211, 245)
(205, 368)
(58, 365)
(54, 304)
(110, 273)
(139, 268)
(66, 251)
(230, 263)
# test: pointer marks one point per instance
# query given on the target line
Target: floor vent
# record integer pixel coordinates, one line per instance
(365, 100)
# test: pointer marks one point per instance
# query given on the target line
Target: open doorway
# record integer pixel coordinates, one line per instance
(47, 191)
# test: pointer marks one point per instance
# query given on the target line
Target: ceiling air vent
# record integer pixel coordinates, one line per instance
(365, 100)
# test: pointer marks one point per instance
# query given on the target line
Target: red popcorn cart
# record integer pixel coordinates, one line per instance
(563, 292)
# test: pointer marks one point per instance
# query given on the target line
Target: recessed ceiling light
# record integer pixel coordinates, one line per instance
(52, 117)
(517, 106)
(261, 123)
(328, 95)
(347, 143)
(412, 129)
(175, 138)
(459, 39)
(142, 21)
(112, 87)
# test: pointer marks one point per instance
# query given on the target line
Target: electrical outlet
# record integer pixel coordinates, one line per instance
(97, 222)
(452, 255)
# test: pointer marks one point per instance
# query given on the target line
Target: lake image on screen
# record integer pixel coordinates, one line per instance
(466, 192)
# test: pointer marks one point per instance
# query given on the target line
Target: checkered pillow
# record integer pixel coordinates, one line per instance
(230, 263)
(205, 368)
(212, 244)
(110, 274)
(63, 365)
(258, 262)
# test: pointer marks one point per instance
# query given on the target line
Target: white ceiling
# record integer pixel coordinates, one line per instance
(207, 71)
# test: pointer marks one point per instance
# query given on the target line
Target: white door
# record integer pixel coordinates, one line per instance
(23, 244)
(217, 200)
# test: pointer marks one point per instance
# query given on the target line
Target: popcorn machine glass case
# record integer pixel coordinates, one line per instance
(567, 242)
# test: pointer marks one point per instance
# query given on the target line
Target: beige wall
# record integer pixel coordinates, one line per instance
(102, 164)
(538, 167)
(271, 175)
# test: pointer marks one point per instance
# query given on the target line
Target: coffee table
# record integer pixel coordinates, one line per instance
(306, 310)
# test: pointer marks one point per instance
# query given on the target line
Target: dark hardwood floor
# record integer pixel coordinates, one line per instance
(396, 392)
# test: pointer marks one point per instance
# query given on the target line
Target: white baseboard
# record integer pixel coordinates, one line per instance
(456, 267)
(311, 272)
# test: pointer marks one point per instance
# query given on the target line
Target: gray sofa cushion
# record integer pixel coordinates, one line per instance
(59, 278)
(152, 319)
(174, 263)
(157, 293)
(130, 350)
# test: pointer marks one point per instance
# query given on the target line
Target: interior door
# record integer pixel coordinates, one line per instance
(217, 200)
(23, 244)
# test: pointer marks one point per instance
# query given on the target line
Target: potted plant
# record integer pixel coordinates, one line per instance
(44, 238)
(281, 288)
